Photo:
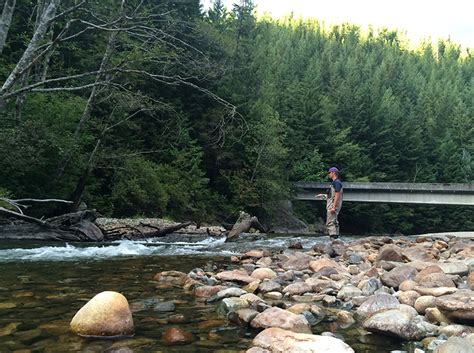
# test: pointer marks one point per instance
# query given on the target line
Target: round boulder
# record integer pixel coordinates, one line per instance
(105, 315)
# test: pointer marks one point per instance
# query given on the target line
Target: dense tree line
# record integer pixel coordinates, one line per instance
(160, 108)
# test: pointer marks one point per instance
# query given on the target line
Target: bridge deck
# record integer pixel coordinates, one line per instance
(417, 193)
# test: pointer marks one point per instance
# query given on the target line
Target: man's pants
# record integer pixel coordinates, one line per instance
(332, 223)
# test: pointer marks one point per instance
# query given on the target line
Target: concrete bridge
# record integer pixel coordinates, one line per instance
(415, 193)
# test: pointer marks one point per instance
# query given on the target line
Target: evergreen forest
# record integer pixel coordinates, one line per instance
(166, 109)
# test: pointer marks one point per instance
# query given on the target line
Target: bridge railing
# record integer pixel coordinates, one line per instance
(415, 193)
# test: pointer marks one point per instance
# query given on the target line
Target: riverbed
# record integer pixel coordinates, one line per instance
(42, 286)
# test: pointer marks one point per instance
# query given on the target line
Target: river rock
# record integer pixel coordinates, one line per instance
(234, 304)
(435, 292)
(324, 262)
(435, 316)
(242, 317)
(297, 288)
(273, 295)
(455, 345)
(174, 336)
(427, 271)
(435, 280)
(454, 268)
(390, 252)
(423, 302)
(276, 317)
(470, 281)
(263, 273)
(417, 252)
(176, 278)
(408, 297)
(269, 286)
(369, 286)
(235, 275)
(277, 340)
(230, 292)
(348, 291)
(252, 298)
(402, 323)
(456, 330)
(398, 275)
(377, 303)
(106, 314)
(299, 261)
(458, 307)
(207, 291)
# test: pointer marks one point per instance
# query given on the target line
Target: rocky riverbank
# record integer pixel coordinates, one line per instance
(415, 289)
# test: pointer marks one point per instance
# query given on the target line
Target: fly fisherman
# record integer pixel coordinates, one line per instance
(333, 202)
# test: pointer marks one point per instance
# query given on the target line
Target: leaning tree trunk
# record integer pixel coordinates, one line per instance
(42, 29)
(5, 21)
(243, 224)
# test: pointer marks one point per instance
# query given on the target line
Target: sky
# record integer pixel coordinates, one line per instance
(419, 19)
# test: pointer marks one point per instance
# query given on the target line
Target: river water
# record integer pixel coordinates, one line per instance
(42, 286)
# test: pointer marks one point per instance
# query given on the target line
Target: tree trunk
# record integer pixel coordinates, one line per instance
(5, 21)
(243, 224)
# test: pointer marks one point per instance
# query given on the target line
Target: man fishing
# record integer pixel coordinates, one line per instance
(333, 202)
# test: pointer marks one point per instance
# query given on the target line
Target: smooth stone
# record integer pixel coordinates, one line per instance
(299, 261)
(456, 330)
(454, 268)
(235, 275)
(207, 291)
(399, 274)
(9, 329)
(164, 307)
(7, 306)
(234, 304)
(369, 286)
(230, 292)
(297, 288)
(106, 314)
(408, 297)
(427, 271)
(174, 336)
(273, 295)
(251, 287)
(458, 307)
(377, 303)
(348, 291)
(435, 280)
(407, 285)
(252, 298)
(242, 317)
(435, 316)
(276, 317)
(176, 278)
(455, 345)
(319, 264)
(390, 252)
(269, 286)
(277, 340)
(435, 292)
(263, 273)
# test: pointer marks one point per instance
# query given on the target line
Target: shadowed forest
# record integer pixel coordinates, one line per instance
(163, 109)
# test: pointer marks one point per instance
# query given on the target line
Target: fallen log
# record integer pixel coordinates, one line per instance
(243, 224)
(129, 232)
(77, 226)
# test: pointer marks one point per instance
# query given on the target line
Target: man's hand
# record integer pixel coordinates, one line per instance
(321, 196)
(332, 210)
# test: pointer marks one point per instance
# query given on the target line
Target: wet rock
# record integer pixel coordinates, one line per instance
(242, 317)
(255, 254)
(207, 291)
(235, 275)
(233, 304)
(377, 303)
(276, 317)
(297, 288)
(295, 244)
(229, 292)
(172, 277)
(298, 262)
(280, 340)
(458, 307)
(263, 273)
(164, 307)
(205, 325)
(178, 319)
(455, 344)
(345, 318)
(9, 329)
(329, 300)
(252, 298)
(398, 275)
(174, 336)
(106, 314)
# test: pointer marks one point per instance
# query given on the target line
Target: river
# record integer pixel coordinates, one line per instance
(42, 286)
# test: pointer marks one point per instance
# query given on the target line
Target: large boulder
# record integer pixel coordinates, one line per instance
(105, 315)
(298, 261)
(276, 340)
(284, 319)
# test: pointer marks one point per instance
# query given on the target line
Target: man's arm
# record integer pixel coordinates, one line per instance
(337, 195)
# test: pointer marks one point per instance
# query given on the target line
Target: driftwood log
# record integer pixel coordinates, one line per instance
(129, 232)
(78, 226)
(243, 224)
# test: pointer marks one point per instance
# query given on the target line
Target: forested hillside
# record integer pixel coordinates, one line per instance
(160, 108)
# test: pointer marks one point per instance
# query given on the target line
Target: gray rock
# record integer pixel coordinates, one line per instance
(455, 345)
(398, 275)
(377, 303)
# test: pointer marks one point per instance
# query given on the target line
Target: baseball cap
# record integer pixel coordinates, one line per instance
(333, 169)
